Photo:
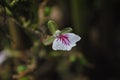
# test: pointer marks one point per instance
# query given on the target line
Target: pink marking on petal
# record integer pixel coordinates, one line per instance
(64, 39)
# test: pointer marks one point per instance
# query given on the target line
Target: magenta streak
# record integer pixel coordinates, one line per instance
(64, 39)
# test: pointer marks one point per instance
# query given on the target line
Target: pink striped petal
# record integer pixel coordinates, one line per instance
(65, 41)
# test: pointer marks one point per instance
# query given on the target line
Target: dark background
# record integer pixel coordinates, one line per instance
(23, 27)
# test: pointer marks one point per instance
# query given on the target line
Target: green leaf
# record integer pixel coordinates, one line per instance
(47, 10)
(66, 30)
(82, 60)
(21, 68)
(8, 11)
(49, 40)
(52, 26)
(24, 78)
(72, 58)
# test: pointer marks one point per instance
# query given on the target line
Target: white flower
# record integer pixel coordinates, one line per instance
(65, 41)
(4, 55)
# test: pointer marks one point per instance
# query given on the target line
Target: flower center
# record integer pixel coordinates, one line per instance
(64, 39)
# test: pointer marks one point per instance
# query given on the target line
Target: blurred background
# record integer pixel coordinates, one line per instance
(23, 28)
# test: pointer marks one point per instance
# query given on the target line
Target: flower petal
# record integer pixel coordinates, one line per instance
(73, 37)
(59, 45)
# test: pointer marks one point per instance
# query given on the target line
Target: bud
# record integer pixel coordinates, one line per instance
(52, 26)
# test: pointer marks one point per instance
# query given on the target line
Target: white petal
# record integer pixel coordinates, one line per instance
(58, 45)
(73, 38)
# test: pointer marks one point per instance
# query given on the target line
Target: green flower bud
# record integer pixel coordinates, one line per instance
(52, 26)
